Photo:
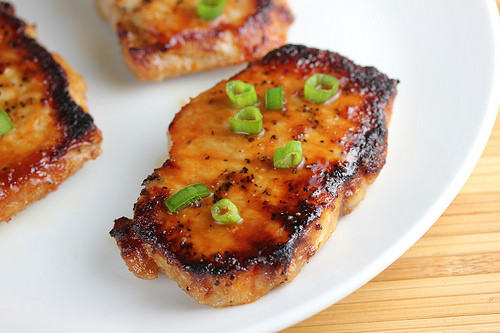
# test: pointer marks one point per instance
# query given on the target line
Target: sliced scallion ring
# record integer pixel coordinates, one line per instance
(5, 122)
(288, 156)
(210, 9)
(225, 212)
(241, 93)
(274, 98)
(186, 196)
(320, 87)
(247, 121)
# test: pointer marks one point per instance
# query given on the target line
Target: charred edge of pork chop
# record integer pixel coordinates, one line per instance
(236, 286)
(163, 56)
(237, 278)
(77, 123)
(64, 93)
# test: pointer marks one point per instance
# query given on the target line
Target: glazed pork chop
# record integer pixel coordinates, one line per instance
(287, 213)
(52, 135)
(166, 38)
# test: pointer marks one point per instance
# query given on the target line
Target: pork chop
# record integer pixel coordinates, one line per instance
(287, 213)
(165, 38)
(53, 135)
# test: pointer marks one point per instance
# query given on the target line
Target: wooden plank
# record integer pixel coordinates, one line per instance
(472, 203)
(483, 183)
(479, 323)
(466, 224)
(443, 246)
(409, 309)
(414, 268)
(424, 288)
(488, 164)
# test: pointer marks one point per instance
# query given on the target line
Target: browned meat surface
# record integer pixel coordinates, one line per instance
(53, 134)
(166, 38)
(288, 214)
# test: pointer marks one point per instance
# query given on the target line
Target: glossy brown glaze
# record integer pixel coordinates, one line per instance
(53, 134)
(165, 38)
(287, 213)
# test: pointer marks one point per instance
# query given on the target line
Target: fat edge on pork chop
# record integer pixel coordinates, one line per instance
(53, 135)
(288, 214)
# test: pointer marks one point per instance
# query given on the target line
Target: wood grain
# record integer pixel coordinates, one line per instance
(449, 281)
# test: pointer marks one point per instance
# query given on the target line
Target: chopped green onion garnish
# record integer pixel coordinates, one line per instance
(225, 212)
(320, 87)
(274, 98)
(5, 122)
(247, 121)
(210, 9)
(241, 93)
(288, 156)
(186, 196)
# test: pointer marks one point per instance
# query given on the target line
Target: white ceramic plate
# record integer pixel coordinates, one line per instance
(61, 272)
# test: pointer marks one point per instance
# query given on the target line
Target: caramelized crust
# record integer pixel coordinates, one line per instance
(165, 38)
(53, 134)
(287, 213)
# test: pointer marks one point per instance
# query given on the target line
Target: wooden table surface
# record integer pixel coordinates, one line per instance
(449, 281)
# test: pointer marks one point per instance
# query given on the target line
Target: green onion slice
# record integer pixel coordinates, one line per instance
(5, 122)
(288, 156)
(225, 212)
(320, 87)
(241, 93)
(186, 196)
(247, 121)
(274, 98)
(210, 9)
